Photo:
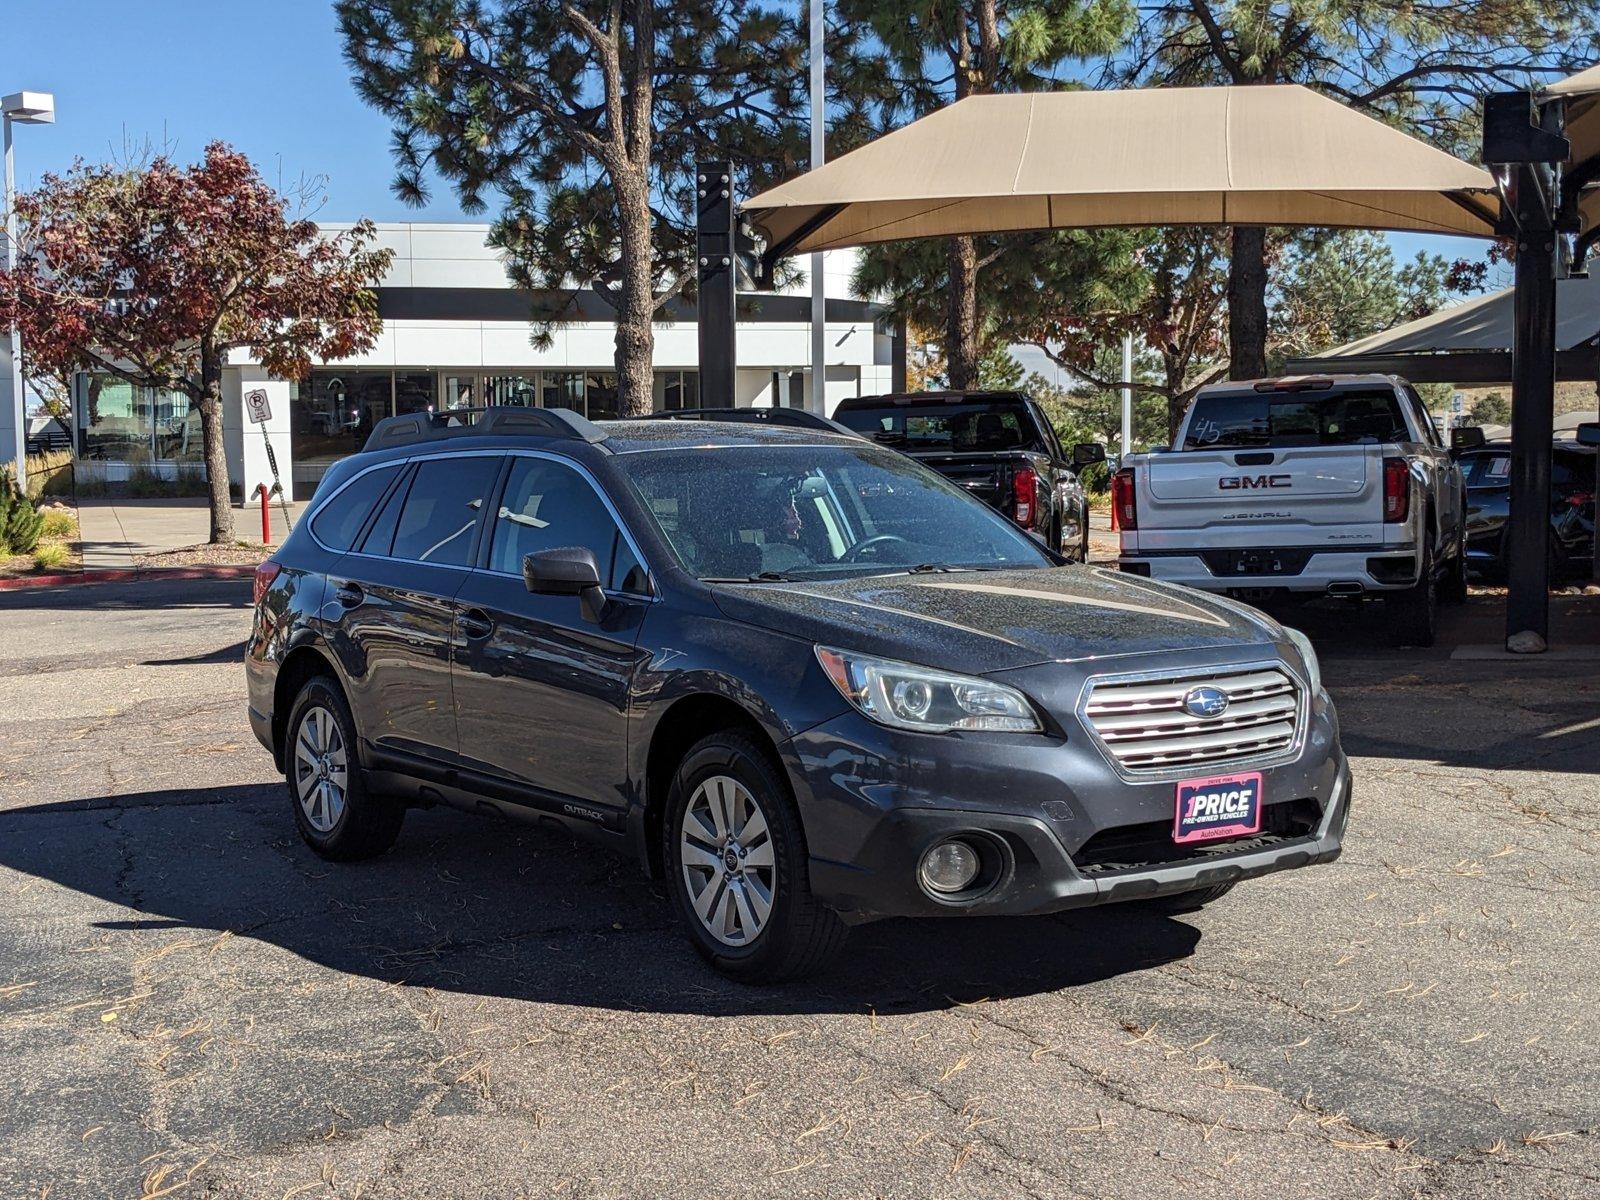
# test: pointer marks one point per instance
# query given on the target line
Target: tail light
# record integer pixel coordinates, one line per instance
(1396, 491)
(1124, 509)
(265, 574)
(1025, 495)
(1581, 499)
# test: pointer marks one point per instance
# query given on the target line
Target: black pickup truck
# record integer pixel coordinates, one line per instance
(996, 445)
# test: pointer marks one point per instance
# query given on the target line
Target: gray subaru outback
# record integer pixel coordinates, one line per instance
(804, 680)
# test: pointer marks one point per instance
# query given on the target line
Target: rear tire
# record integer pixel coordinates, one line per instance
(1416, 610)
(337, 815)
(1453, 588)
(737, 867)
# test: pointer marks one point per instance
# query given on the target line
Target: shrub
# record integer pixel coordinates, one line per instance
(51, 555)
(20, 522)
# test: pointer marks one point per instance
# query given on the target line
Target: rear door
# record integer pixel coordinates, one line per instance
(390, 606)
(541, 693)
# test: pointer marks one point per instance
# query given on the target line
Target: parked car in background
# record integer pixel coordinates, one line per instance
(999, 446)
(1330, 485)
(1572, 507)
(804, 679)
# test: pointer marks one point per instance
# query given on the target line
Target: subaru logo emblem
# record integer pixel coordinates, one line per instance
(1206, 702)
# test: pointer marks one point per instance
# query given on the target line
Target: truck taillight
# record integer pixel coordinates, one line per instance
(265, 574)
(1025, 496)
(1124, 509)
(1396, 491)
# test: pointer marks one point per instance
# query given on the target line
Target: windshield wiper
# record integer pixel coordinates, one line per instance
(759, 577)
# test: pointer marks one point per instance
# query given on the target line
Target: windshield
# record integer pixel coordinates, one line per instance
(1266, 419)
(811, 512)
(966, 428)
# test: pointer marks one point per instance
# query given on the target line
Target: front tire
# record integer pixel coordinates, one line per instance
(737, 866)
(1185, 902)
(336, 814)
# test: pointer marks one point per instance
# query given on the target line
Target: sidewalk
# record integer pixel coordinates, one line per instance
(117, 530)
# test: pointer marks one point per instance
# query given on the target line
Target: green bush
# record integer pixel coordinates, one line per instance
(50, 555)
(20, 522)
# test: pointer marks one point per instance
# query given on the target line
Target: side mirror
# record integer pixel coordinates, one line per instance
(1466, 437)
(1085, 453)
(566, 571)
(1589, 433)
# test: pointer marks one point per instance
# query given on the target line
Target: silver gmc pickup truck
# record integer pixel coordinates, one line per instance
(1332, 485)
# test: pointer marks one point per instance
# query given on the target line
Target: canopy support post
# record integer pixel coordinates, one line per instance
(1526, 138)
(717, 280)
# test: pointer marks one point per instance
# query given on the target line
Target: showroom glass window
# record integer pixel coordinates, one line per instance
(563, 389)
(413, 392)
(177, 428)
(332, 412)
(601, 393)
(114, 418)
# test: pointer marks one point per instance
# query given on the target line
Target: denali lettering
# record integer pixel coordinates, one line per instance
(1234, 483)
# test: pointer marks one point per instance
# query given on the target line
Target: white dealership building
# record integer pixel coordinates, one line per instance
(456, 334)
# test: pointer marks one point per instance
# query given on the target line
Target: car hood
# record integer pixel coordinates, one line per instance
(983, 621)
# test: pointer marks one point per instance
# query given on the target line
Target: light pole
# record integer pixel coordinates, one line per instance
(22, 108)
(819, 294)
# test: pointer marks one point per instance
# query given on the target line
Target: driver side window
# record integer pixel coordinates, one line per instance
(546, 505)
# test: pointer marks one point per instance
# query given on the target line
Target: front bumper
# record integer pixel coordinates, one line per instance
(1336, 572)
(873, 801)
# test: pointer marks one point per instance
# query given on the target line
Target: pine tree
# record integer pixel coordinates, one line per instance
(582, 121)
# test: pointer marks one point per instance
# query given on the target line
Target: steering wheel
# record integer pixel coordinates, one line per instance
(883, 539)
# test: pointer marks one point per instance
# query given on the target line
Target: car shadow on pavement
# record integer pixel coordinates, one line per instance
(478, 906)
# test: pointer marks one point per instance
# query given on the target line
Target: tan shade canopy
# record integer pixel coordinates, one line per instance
(1583, 128)
(1280, 155)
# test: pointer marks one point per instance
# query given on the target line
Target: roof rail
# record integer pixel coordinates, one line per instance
(410, 428)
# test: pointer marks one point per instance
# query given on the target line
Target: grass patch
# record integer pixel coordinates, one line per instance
(51, 555)
(59, 524)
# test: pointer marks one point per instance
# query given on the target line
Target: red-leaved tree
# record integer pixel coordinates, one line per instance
(155, 273)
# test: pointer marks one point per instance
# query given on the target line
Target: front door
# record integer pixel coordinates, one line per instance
(541, 693)
(391, 609)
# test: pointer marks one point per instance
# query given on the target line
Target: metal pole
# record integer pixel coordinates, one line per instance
(1532, 403)
(1127, 394)
(717, 303)
(16, 403)
(819, 294)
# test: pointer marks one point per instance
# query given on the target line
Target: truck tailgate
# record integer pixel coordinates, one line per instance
(986, 476)
(1303, 495)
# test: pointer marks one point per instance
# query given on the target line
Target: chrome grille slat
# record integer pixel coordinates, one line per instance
(1143, 726)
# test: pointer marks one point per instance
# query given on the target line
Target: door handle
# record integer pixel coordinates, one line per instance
(349, 594)
(475, 623)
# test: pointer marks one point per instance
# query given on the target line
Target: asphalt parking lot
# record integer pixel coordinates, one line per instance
(192, 1004)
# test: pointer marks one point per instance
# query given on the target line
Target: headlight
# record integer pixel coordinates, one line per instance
(910, 697)
(1308, 656)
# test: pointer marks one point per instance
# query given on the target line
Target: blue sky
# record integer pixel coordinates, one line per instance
(266, 76)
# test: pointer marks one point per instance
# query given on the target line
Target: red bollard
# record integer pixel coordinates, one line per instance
(266, 517)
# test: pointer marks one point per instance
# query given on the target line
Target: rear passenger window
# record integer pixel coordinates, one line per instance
(545, 506)
(339, 520)
(439, 519)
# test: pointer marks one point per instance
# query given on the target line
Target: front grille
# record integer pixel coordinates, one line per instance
(1141, 847)
(1143, 725)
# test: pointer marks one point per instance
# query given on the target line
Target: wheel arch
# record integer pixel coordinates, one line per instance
(303, 663)
(685, 721)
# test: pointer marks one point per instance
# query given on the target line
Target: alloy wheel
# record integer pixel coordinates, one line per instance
(321, 769)
(726, 849)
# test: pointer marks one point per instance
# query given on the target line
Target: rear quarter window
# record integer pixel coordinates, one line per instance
(338, 522)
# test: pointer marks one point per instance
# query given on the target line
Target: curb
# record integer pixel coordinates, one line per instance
(128, 575)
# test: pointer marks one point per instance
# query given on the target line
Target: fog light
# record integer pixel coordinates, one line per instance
(949, 867)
